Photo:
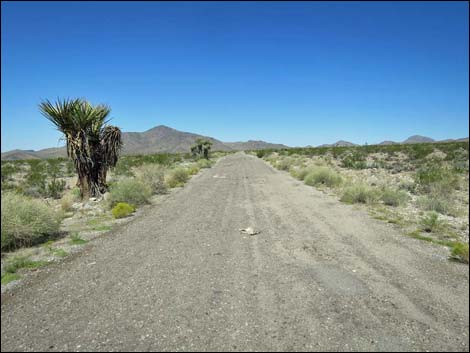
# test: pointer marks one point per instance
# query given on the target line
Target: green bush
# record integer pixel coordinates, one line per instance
(435, 176)
(193, 169)
(323, 176)
(360, 193)
(154, 176)
(394, 198)
(284, 163)
(300, 172)
(177, 177)
(55, 188)
(25, 221)
(131, 191)
(354, 159)
(431, 222)
(19, 262)
(261, 153)
(122, 209)
(204, 163)
(460, 252)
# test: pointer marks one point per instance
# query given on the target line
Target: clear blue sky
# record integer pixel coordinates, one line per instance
(294, 73)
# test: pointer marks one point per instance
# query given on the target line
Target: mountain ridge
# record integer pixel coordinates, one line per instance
(159, 139)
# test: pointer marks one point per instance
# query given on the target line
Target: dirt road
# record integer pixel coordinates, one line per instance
(321, 275)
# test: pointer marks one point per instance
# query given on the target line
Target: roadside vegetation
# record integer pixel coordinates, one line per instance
(422, 188)
(52, 207)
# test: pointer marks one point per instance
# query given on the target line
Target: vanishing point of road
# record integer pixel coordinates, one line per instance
(319, 276)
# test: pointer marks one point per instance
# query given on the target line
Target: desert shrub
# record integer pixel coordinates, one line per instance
(55, 188)
(154, 176)
(354, 159)
(76, 193)
(431, 222)
(360, 193)
(299, 172)
(35, 180)
(322, 176)
(131, 191)
(393, 197)
(177, 177)
(204, 163)
(69, 168)
(193, 169)
(434, 175)
(284, 163)
(67, 201)
(122, 209)
(8, 170)
(26, 221)
(460, 252)
(261, 153)
(54, 167)
(408, 185)
(435, 202)
(19, 262)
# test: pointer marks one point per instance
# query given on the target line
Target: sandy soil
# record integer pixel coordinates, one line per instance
(320, 275)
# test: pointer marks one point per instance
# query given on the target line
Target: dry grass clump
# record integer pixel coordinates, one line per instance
(26, 220)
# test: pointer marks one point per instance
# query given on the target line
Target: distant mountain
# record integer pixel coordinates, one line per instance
(20, 154)
(253, 145)
(465, 139)
(340, 143)
(388, 143)
(156, 140)
(418, 139)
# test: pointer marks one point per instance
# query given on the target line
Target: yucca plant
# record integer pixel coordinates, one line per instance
(92, 145)
(201, 148)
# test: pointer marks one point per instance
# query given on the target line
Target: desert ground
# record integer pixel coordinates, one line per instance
(318, 275)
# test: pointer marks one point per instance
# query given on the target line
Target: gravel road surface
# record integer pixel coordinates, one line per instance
(319, 276)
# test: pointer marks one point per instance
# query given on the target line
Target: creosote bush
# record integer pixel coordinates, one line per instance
(393, 197)
(322, 176)
(26, 220)
(122, 209)
(154, 176)
(284, 163)
(177, 177)
(360, 193)
(193, 169)
(300, 172)
(204, 163)
(129, 190)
